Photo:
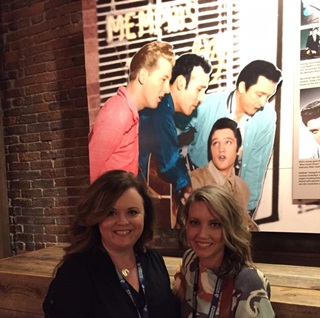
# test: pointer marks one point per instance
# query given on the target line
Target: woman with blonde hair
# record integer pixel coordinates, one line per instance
(217, 277)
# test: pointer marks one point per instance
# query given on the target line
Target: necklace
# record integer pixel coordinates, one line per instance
(126, 271)
(143, 312)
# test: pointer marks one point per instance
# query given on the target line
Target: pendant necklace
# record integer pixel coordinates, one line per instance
(125, 285)
(126, 271)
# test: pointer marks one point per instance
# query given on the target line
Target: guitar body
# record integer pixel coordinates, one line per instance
(166, 207)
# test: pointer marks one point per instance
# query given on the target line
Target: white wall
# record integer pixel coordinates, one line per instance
(259, 41)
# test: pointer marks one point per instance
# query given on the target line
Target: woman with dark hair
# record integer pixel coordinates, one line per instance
(217, 277)
(108, 270)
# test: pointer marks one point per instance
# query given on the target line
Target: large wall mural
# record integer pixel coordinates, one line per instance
(230, 35)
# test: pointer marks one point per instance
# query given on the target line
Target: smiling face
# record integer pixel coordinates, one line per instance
(124, 223)
(251, 100)
(156, 83)
(187, 98)
(314, 127)
(224, 150)
(204, 234)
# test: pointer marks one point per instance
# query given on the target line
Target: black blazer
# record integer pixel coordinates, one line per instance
(87, 286)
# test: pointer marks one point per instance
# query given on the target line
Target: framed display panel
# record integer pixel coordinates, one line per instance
(231, 34)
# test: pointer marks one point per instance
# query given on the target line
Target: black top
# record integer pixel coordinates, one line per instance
(313, 44)
(87, 286)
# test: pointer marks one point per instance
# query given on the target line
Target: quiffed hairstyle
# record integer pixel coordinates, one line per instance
(311, 111)
(95, 204)
(224, 123)
(251, 72)
(236, 235)
(148, 56)
(185, 64)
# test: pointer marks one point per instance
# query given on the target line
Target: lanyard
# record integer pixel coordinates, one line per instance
(125, 286)
(215, 296)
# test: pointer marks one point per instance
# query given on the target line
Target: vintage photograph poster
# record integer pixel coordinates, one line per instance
(306, 169)
(205, 28)
(230, 34)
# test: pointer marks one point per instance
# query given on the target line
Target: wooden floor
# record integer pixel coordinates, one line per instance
(24, 279)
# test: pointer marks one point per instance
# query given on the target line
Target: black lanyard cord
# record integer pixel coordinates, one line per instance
(215, 296)
(125, 286)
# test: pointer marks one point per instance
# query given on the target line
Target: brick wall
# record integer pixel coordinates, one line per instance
(43, 92)
(90, 34)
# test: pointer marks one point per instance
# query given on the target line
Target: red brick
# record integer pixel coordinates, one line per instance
(27, 119)
(18, 148)
(19, 166)
(45, 238)
(29, 138)
(21, 202)
(59, 211)
(52, 173)
(54, 154)
(24, 220)
(56, 229)
(31, 211)
(43, 202)
(44, 106)
(41, 164)
(19, 12)
(31, 193)
(55, 192)
(65, 220)
(29, 156)
(38, 127)
(44, 220)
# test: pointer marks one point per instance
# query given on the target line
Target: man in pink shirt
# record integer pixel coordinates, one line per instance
(113, 141)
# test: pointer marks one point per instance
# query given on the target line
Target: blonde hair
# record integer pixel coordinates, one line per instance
(147, 57)
(236, 235)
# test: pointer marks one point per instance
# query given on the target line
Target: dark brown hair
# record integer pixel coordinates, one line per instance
(93, 207)
(224, 123)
